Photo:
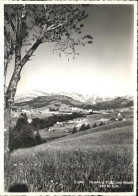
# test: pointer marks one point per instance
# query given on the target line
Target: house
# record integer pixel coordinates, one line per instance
(97, 112)
(126, 109)
(66, 131)
(105, 113)
(16, 115)
(103, 120)
(29, 120)
(45, 110)
(59, 123)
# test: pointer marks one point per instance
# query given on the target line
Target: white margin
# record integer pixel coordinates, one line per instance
(135, 98)
(2, 2)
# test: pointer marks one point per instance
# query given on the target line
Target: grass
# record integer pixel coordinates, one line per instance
(91, 119)
(60, 131)
(50, 134)
(72, 163)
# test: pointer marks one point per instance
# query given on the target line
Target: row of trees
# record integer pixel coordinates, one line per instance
(84, 127)
(38, 123)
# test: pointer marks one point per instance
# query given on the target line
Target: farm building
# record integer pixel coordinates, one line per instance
(103, 120)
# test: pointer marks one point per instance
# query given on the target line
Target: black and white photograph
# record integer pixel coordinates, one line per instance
(69, 97)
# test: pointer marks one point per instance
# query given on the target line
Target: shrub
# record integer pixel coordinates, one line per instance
(14, 139)
(112, 119)
(74, 130)
(27, 136)
(82, 128)
(94, 125)
(22, 121)
(38, 138)
(88, 126)
(22, 135)
(21, 139)
(102, 123)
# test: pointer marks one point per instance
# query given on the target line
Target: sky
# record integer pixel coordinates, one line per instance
(104, 68)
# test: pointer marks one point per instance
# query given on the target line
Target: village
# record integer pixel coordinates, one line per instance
(48, 111)
(89, 117)
(91, 120)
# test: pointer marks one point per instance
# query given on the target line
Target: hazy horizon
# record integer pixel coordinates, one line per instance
(43, 93)
(104, 68)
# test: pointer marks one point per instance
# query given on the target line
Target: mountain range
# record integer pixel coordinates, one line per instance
(38, 99)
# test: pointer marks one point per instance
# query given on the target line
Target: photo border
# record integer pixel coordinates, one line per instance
(2, 3)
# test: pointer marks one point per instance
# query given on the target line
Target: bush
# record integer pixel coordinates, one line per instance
(21, 139)
(94, 125)
(102, 123)
(82, 128)
(38, 138)
(14, 139)
(22, 135)
(74, 130)
(22, 121)
(88, 126)
(112, 119)
(27, 136)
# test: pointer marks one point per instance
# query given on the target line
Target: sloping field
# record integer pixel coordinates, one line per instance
(111, 126)
(74, 163)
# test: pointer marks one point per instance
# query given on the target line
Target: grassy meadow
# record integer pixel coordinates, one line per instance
(83, 162)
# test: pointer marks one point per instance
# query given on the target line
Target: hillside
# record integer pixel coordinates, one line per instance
(115, 103)
(51, 100)
(121, 134)
(72, 163)
(101, 130)
(43, 101)
(115, 133)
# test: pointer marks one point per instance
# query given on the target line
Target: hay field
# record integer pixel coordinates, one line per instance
(75, 162)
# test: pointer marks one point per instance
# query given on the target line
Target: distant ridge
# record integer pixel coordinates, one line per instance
(90, 99)
(38, 99)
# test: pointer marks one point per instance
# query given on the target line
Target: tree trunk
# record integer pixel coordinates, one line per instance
(12, 87)
(9, 97)
(7, 123)
(11, 91)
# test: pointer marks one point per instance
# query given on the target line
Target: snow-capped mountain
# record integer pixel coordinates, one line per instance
(75, 96)
(88, 99)
(29, 96)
